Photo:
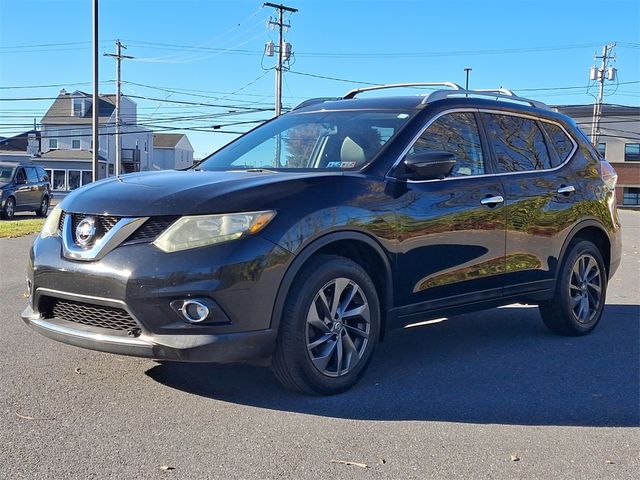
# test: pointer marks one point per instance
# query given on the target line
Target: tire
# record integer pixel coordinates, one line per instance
(9, 209)
(44, 207)
(319, 350)
(580, 292)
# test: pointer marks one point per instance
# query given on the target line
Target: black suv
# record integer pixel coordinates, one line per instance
(309, 237)
(23, 188)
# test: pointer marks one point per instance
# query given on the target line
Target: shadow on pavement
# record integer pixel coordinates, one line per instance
(499, 366)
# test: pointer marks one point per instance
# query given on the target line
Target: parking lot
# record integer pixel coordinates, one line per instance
(486, 395)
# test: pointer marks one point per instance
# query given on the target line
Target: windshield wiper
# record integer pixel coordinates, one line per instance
(259, 170)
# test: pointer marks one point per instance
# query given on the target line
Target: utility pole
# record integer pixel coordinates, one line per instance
(118, 56)
(284, 50)
(600, 75)
(96, 97)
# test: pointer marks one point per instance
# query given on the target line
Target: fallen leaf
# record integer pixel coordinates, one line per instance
(77, 370)
(346, 462)
(515, 458)
(167, 467)
(28, 417)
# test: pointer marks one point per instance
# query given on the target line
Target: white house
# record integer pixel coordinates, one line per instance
(171, 151)
(66, 140)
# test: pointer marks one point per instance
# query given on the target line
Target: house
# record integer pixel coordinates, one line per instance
(171, 151)
(66, 149)
(618, 142)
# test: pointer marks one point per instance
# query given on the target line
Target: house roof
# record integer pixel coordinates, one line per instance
(59, 112)
(166, 140)
(17, 143)
(69, 155)
(608, 109)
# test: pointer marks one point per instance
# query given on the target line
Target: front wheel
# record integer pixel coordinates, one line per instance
(580, 294)
(329, 328)
(9, 209)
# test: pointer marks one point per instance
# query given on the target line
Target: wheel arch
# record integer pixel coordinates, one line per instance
(588, 230)
(357, 246)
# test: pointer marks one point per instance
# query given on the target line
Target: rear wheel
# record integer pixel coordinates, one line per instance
(580, 294)
(44, 207)
(9, 209)
(329, 328)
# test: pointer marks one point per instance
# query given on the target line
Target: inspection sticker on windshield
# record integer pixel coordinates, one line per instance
(341, 164)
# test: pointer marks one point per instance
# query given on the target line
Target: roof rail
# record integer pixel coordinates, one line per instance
(353, 93)
(497, 94)
(313, 101)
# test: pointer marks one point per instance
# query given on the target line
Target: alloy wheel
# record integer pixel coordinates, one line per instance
(585, 288)
(338, 327)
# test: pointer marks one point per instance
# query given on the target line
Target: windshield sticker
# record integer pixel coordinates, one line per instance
(341, 164)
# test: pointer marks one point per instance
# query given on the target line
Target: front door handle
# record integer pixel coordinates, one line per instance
(492, 201)
(566, 189)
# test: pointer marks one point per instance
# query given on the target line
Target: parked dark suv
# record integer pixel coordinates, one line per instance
(23, 188)
(308, 238)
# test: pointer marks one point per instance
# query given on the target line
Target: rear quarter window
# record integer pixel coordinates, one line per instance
(560, 141)
(42, 175)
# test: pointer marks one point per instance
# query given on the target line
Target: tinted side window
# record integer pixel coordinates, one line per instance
(455, 133)
(517, 142)
(21, 177)
(32, 175)
(42, 175)
(560, 141)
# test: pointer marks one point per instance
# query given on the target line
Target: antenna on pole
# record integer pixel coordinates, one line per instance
(283, 50)
(600, 75)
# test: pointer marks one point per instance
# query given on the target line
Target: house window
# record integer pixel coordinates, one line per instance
(74, 179)
(632, 152)
(87, 175)
(602, 149)
(631, 196)
(78, 107)
(75, 144)
(59, 180)
(53, 144)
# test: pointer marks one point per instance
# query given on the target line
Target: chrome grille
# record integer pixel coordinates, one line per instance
(104, 223)
(87, 314)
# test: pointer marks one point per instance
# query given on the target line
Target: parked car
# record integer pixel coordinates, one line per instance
(310, 237)
(23, 188)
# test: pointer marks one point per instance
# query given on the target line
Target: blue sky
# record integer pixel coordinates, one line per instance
(210, 51)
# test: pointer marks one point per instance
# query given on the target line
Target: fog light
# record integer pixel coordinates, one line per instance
(194, 311)
(199, 311)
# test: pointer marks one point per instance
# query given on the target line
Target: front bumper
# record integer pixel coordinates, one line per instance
(223, 348)
(241, 278)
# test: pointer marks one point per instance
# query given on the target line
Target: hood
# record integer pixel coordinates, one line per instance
(189, 192)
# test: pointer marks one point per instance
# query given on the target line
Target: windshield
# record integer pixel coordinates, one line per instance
(321, 139)
(6, 173)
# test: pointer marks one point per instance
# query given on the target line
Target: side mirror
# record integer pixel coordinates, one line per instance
(21, 180)
(429, 165)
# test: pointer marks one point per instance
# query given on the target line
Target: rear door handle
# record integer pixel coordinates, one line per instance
(566, 189)
(492, 201)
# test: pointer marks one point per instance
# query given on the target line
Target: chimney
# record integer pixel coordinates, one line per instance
(63, 91)
(32, 145)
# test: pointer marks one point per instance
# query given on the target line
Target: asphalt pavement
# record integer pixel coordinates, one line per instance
(486, 395)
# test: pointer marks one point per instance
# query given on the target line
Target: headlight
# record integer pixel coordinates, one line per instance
(50, 227)
(201, 230)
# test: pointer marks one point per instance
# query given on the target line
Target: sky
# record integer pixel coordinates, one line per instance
(199, 66)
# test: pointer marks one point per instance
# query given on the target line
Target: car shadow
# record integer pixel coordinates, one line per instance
(499, 366)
